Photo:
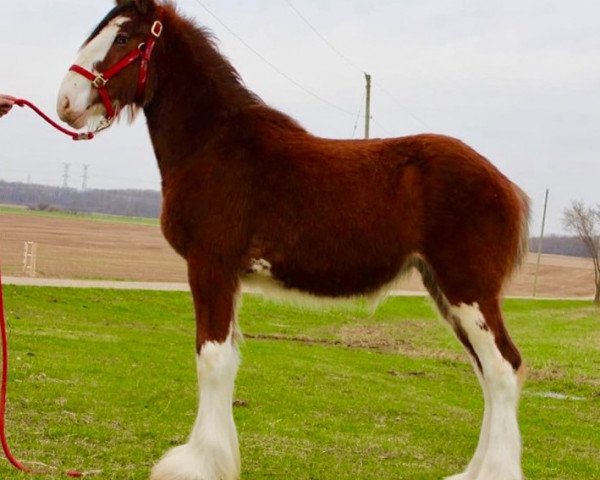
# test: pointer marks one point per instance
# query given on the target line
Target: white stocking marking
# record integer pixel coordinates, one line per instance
(476, 462)
(498, 454)
(212, 451)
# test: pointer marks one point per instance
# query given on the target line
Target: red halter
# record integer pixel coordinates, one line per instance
(143, 52)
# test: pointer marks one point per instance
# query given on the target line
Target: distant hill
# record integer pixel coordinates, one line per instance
(134, 203)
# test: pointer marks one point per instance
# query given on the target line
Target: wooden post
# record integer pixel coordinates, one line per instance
(30, 259)
(368, 107)
(539, 255)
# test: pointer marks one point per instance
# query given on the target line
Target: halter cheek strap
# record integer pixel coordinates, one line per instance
(155, 33)
(143, 52)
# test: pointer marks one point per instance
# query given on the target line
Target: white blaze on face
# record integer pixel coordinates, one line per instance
(73, 105)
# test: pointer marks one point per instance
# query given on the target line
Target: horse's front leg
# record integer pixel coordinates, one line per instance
(212, 451)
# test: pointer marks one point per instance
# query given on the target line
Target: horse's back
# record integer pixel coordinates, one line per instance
(346, 216)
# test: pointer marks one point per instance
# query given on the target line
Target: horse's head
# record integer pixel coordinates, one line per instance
(112, 68)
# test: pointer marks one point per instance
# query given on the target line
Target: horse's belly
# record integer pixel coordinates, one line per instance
(327, 280)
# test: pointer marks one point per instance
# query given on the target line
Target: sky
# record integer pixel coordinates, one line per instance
(517, 80)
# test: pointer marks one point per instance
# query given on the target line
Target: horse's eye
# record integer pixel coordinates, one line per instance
(122, 39)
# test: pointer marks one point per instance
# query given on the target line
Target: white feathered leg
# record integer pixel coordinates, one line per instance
(212, 451)
(498, 455)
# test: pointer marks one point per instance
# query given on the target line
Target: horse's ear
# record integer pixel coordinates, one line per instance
(144, 6)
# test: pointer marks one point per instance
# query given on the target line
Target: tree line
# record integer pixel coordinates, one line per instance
(560, 245)
(135, 203)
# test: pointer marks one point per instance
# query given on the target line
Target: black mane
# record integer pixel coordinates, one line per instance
(115, 12)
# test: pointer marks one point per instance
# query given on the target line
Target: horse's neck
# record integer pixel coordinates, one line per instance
(192, 103)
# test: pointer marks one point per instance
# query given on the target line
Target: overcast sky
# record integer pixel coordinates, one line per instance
(518, 80)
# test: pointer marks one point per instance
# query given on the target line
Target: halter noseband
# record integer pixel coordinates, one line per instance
(101, 79)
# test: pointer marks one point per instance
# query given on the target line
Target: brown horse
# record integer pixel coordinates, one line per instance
(249, 195)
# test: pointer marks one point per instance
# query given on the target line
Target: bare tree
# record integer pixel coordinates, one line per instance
(585, 222)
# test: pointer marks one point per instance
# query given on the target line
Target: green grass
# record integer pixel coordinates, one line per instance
(106, 380)
(19, 210)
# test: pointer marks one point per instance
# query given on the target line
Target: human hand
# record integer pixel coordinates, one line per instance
(6, 103)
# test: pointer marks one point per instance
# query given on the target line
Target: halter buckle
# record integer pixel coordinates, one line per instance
(84, 136)
(99, 81)
(104, 124)
(157, 28)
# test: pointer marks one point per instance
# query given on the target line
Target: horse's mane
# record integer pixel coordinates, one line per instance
(203, 48)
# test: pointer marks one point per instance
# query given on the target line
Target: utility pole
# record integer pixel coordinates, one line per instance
(368, 108)
(539, 255)
(65, 183)
(84, 177)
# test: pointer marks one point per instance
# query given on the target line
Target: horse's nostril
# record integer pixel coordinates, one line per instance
(65, 103)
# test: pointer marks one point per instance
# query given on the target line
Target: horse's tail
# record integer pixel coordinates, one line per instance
(524, 214)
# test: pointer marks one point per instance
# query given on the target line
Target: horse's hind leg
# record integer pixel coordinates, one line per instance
(212, 451)
(501, 374)
(476, 462)
(479, 326)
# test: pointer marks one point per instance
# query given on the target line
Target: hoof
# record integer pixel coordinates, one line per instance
(499, 476)
(499, 473)
(191, 462)
(462, 476)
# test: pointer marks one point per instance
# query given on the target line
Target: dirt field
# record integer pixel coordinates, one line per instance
(94, 249)
(89, 249)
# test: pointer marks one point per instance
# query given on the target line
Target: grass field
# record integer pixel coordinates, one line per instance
(20, 210)
(106, 380)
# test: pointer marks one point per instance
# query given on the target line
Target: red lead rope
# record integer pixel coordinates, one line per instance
(144, 53)
(3, 387)
(21, 102)
(4, 381)
(5, 446)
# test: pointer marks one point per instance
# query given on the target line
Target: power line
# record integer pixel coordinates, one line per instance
(358, 115)
(51, 174)
(386, 130)
(65, 176)
(411, 114)
(272, 66)
(84, 181)
(322, 37)
(297, 84)
(352, 63)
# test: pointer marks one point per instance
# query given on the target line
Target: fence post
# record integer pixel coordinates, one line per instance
(30, 258)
